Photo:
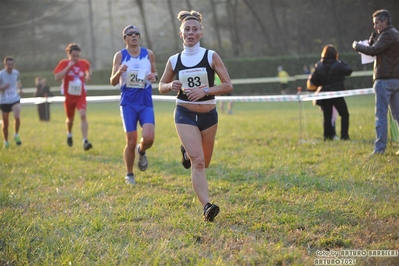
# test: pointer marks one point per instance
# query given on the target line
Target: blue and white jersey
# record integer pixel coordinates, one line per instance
(10, 95)
(135, 88)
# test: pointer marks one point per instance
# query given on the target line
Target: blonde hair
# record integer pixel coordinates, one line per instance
(184, 15)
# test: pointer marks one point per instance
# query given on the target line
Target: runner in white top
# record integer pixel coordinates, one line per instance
(10, 90)
(190, 74)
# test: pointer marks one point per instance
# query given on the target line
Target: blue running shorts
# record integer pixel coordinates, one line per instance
(132, 114)
(200, 120)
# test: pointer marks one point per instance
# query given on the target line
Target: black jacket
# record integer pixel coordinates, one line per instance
(330, 74)
(42, 91)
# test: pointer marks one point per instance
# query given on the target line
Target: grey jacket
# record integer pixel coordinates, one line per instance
(386, 49)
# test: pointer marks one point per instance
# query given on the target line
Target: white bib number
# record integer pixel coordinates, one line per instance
(135, 79)
(10, 94)
(75, 87)
(193, 78)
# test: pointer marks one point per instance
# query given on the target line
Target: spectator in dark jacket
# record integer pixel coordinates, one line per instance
(329, 75)
(43, 90)
(385, 46)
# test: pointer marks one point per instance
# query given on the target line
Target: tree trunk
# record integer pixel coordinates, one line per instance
(175, 27)
(216, 24)
(92, 41)
(234, 32)
(111, 26)
(189, 5)
(282, 33)
(259, 21)
(147, 35)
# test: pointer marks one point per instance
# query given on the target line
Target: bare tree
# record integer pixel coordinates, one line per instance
(235, 37)
(111, 25)
(36, 32)
(189, 5)
(92, 41)
(33, 35)
(282, 33)
(141, 7)
(259, 21)
(216, 23)
(173, 20)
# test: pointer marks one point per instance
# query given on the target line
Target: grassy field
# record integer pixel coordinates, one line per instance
(285, 195)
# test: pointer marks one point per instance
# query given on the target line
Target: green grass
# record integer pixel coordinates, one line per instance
(282, 196)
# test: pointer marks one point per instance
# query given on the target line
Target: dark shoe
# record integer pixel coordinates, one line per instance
(87, 145)
(69, 141)
(186, 163)
(328, 138)
(17, 140)
(210, 212)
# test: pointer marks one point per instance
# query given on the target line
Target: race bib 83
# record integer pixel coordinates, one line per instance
(194, 78)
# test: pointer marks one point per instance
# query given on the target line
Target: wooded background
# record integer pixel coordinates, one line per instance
(36, 32)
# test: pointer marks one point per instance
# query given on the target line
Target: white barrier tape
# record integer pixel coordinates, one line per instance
(295, 98)
(61, 99)
(259, 98)
(336, 94)
(109, 98)
(367, 73)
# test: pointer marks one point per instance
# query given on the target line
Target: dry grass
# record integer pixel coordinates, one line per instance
(281, 201)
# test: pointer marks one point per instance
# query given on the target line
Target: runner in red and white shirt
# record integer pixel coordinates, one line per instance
(74, 72)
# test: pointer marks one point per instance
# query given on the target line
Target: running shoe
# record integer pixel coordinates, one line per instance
(186, 163)
(210, 212)
(17, 140)
(129, 179)
(142, 162)
(87, 145)
(374, 153)
(69, 141)
(6, 145)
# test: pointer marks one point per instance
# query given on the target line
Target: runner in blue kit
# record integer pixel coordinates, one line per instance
(134, 70)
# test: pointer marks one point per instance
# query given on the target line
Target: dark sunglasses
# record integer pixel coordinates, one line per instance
(134, 33)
